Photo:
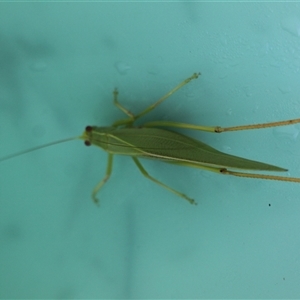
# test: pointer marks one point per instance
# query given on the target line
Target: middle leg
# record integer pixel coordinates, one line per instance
(145, 173)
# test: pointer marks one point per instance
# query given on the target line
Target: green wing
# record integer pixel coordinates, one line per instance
(174, 147)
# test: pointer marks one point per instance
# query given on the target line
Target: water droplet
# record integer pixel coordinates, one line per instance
(287, 132)
(122, 67)
(229, 112)
(284, 89)
(226, 148)
(248, 91)
(292, 26)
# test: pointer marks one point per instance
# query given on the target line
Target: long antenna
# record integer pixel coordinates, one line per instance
(38, 147)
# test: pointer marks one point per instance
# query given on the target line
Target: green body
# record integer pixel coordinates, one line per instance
(168, 146)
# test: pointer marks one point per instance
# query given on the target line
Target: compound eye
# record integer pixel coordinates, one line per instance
(87, 143)
(88, 128)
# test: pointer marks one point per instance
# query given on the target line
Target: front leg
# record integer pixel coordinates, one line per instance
(120, 106)
(128, 122)
(175, 89)
(132, 118)
(104, 180)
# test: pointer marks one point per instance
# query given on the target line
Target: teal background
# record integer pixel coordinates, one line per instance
(59, 65)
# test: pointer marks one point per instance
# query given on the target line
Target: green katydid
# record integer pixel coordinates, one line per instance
(151, 141)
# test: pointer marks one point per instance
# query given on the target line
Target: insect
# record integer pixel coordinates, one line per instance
(152, 141)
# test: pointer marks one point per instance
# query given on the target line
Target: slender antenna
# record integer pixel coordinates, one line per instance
(38, 147)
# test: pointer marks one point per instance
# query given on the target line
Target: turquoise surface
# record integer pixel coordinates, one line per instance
(59, 65)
